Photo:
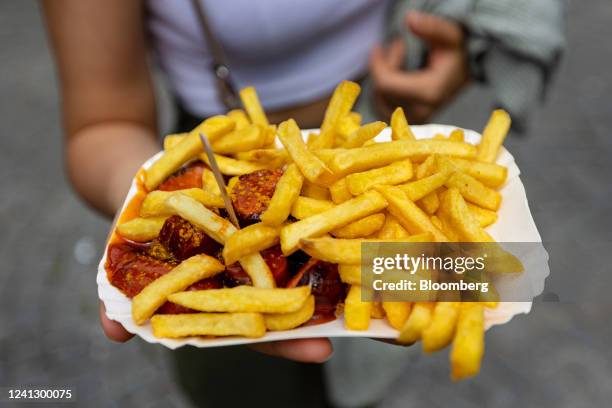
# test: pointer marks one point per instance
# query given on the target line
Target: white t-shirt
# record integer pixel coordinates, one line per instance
(292, 51)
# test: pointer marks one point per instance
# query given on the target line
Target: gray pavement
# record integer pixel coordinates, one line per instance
(559, 355)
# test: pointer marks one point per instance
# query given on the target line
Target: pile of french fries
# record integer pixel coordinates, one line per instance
(339, 189)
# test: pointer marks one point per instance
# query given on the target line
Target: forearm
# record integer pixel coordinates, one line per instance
(102, 159)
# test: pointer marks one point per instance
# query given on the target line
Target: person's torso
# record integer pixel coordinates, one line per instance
(292, 51)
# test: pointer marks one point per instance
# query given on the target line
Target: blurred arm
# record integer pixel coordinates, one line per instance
(108, 101)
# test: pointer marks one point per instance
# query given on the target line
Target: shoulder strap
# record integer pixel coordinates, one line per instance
(225, 88)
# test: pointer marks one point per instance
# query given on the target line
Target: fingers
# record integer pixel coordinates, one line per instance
(112, 329)
(396, 52)
(434, 29)
(301, 350)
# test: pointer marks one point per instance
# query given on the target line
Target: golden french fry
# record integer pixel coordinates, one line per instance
(220, 229)
(155, 294)
(344, 128)
(311, 166)
(347, 251)
(287, 191)
(356, 313)
(209, 184)
(269, 133)
(381, 154)
(392, 230)
(468, 344)
(417, 190)
(238, 116)
(154, 203)
(340, 105)
(233, 167)
(187, 148)
(277, 157)
(243, 299)
(483, 216)
(419, 319)
(440, 332)
(312, 190)
(457, 135)
(490, 174)
(242, 140)
(172, 140)
(363, 134)
(350, 273)
(251, 104)
(454, 211)
(287, 321)
(397, 313)
(141, 229)
(429, 203)
(208, 324)
(493, 136)
(400, 129)
(251, 239)
(360, 228)
(339, 191)
(377, 311)
(305, 207)
(409, 214)
(339, 216)
(436, 221)
(427, 168)
(474, 191)
(394, 173)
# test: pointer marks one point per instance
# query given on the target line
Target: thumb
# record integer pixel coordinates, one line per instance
(434, 29)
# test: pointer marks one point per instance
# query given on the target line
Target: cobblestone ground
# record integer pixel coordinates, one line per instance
(558, 355)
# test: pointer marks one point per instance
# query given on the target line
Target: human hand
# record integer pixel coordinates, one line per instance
(421, 93)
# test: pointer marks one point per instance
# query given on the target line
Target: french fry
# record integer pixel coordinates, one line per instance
(312, 190)
(339, 191)
(417, 190)
(243, 299)
(468, 344)
(400, 129)
(457, 135)
(392, 230)
(419, 319)
(269, 133)
(155, 294)
(408, 214)
(454, 211)
(275, 157)
(429, 203)
(233, 167)
(356, 312)
(242, 140)
(340, 105)
(220, 230)
(439, 333)
(483, 216)
(208, 324)
(339, 216)
(288, 321)
(311, 166)
(347, 251)
(394, 173)
(209, 183)
(361, 228)
(154, 203)
(350, 273)
(474, 191)
(187, 148)
(251, 104)
(345, 127)
(493, 136)
(363, 134)
(397, 313)
(381, 154)
(141, 229)
(305, 207)
(377, 311)
(172, 140)
(287, 191)
(251, 239)
(490, 174)
(436, 221)
(239, 117)
(427, 168)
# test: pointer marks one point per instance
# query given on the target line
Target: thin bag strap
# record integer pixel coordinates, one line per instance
(223, 81)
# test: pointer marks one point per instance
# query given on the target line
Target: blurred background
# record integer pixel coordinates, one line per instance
(558, 355)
